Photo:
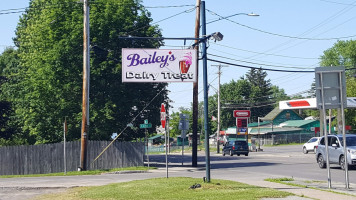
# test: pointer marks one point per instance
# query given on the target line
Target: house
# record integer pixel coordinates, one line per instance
(154, 140)
(306, 125)
(277, 116)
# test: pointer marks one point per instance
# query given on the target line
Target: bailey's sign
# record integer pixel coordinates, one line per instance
(158, 65)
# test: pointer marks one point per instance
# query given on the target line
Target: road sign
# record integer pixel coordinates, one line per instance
(183, 122)
(146, 121)
(242, 113)
(146, 125)
(330, 87)
(163, 116)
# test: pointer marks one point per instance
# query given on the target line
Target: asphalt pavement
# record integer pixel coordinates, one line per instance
(29, 187)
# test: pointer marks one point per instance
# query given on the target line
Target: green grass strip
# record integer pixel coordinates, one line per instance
(78, 173)
(171, 188)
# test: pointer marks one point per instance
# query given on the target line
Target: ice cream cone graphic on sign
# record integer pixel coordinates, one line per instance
(184, 63)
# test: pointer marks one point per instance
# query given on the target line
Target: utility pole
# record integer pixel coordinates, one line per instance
(195, 93)
(219, 110)
(85, 104)
(205, 84)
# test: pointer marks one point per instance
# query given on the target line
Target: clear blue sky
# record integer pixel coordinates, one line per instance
(273, 40)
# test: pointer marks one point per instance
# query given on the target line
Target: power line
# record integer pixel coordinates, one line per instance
(267, 54)
(175, 15)
(257, 63)
(280, 35)
(271, 63)
(334, 2)
(266, 69)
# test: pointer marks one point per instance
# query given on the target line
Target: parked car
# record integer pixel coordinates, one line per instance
(235, 147)
(336, 151)
(311, 145)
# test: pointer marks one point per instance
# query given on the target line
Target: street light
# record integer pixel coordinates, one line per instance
(218, 37)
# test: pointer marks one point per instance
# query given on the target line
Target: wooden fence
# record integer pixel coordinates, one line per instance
(49, 158)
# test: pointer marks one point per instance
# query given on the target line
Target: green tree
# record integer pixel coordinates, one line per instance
(260, 98)
(254, 92)
(232, 95)
(49, 39)
(9, 132)
(343, 53)
(278, 95)
(174, 121)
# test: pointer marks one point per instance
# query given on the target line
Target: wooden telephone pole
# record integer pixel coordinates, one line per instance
(86, 76)
(195, 93)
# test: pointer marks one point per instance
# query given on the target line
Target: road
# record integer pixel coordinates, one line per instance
(283, 161)
(287, 161)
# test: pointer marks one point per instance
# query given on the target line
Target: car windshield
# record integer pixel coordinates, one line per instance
(240, 143)
(313, 140)
(350, 141)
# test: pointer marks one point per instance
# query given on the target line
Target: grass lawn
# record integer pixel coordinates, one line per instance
(76, 173)
(171, 188)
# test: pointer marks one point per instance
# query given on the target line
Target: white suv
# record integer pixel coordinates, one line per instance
(311, 145)
(336, 151)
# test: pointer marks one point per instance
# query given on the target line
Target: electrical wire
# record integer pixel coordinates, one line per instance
(266, 69)
(271, 63)
(256, 63)
(133, 120)
(175, 15)
(280, 35)
(267, 54)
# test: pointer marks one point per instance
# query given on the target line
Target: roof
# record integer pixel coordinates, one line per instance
(155, 137)
(275, 130)
(297, 123)
(263, 130)
(255, 124)
(274, 113)
(271, 115)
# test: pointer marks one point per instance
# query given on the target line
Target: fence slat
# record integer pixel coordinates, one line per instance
(49, 158)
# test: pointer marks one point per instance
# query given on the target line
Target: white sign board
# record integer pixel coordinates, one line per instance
(158, 65)
(309, 103)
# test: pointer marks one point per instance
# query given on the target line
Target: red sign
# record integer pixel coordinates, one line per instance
(163, 116)
(241, 122)
(301, 103)
(242, 113)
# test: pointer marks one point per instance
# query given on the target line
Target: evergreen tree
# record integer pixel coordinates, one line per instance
(261, 91)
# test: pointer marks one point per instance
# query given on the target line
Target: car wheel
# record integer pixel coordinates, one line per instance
(238, 154)
(321, 162)
(315, 150)
(305, 150)
(342, 162)
(246, 154)
(231, 154)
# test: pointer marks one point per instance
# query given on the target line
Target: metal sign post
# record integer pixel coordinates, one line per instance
(163, 123)
(331, 94)
(65, 128)
(146, 125)
(184, 126)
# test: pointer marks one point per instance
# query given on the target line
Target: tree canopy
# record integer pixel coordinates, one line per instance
(253, 92)
(48, 84)
(343, 53)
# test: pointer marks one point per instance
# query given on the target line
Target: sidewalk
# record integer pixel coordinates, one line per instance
(27, 188)
(312, 190)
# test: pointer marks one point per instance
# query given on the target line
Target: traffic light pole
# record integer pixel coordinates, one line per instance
(205, 83)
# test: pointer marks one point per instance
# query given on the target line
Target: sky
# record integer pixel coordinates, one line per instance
(287, 35)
